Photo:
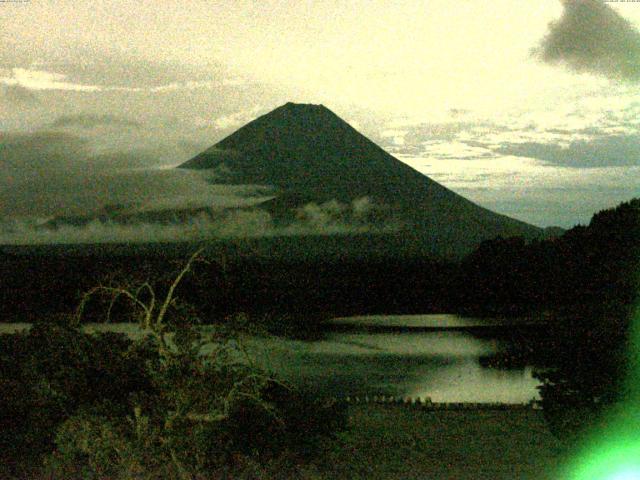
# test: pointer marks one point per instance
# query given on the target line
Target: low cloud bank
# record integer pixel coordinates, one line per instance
(199, 227)
(328, 218)
(361, 213)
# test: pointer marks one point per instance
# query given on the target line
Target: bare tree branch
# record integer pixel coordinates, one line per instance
(174, 285)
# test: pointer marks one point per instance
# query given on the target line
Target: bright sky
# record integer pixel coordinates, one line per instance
(450, 87)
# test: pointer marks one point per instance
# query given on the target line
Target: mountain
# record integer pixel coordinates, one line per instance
(311, 156)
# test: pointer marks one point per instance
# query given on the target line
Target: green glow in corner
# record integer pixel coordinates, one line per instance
(626, 475)
(612, 452)
(617, 460)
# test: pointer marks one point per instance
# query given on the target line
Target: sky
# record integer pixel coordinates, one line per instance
(530, 109)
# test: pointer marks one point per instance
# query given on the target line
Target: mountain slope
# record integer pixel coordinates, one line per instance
(311, 155)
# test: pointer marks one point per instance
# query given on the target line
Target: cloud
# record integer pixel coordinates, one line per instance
(238, 223)
(24, 154)
(43, 80)
(591, 37)
(436, 131)
(47, 173)
(196, 85)
(86, 193)
(330, 218)
(235, 119)
(608, 151)
(538, 192)
(91, 120)
(18, 96)
(108, 65)
(47, 155)
(456, 150)
(132, 72)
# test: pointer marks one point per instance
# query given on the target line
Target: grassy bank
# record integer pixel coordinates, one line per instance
(384, 442)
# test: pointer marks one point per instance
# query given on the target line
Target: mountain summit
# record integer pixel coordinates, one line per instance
(309, 149)
(309, 154)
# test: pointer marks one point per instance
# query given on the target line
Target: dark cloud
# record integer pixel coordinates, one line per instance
(592, 37)
(49, 175)
(609, 151)
(51, 172)
(18, 96)
(91, 120)
(48, 154)
(23, 154)
(81, 193)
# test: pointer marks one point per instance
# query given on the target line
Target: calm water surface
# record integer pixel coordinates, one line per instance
(443, 365)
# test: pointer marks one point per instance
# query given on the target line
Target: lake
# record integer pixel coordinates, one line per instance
(409, 360)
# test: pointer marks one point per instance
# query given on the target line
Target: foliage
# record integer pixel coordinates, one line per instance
(359, 275)
(591, 271)
(55, 369)
(588, 280)
(591, 343)
(181, 402)
(504, 276)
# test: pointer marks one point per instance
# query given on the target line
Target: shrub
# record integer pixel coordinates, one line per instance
(181, 403)
(54, 370)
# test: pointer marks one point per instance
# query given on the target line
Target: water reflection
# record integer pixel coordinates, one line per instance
(467, 381)
(443, 365)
